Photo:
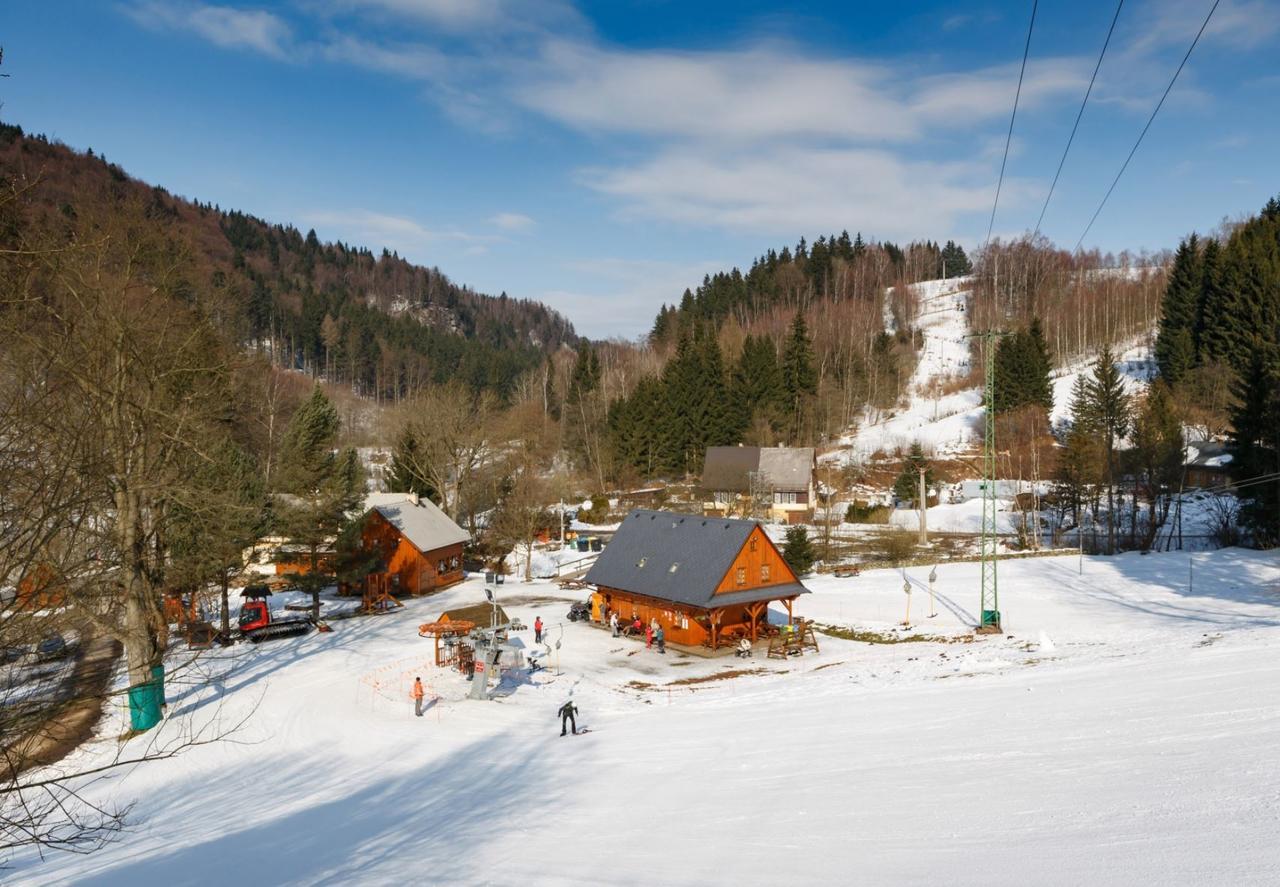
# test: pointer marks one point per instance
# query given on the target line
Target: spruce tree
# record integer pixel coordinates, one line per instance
(1175, 339)
(955, 262)
(1255, 440)
(799, 379)
(406, 475)
(798, 551)
(1107, 410)
(907, 485)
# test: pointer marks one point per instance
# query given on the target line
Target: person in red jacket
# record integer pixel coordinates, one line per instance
(648, 635)
(416, 695)
(537, 630)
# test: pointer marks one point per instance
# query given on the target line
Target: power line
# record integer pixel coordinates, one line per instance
(1151, 120)
(1079, 115)
(1026, 50)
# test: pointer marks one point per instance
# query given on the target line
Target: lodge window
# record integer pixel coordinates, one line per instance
(753, 544)
(742, 575)
(764, 572)
(782, 497)
(441, 567)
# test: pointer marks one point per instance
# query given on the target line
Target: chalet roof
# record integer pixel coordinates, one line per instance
(480, 614)
(781, 468)
(1209, 454)
(680, 558)
(423, 524)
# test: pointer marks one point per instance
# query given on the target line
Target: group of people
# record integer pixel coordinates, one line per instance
(652, 632)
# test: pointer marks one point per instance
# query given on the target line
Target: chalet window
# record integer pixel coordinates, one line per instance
(742, 575)
(441, 567)
(783, 497)
(753, 543)
(764, 572)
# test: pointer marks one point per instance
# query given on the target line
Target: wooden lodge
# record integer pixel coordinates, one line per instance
(707, 580)
(418, 548)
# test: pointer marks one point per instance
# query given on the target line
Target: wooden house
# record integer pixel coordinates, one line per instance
(418, 548)
(777, 482)
(707, 580)
(1208, 465)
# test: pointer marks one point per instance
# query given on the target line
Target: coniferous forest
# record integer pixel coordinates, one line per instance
(341, 313)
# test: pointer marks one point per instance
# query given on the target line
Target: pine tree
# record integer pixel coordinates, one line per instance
(1175, 340)
(799, 379)
(1255, 440)
(954, 260)
(1107, 410)
(1157, 454)
(907, 486)
(798, 551)
(306, 451)
(405, 475)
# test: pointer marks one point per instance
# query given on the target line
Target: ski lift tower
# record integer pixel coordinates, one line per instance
(989, 621)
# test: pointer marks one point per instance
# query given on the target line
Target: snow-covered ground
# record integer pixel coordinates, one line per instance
(1124, 732)
(941, 422)
(947, 424)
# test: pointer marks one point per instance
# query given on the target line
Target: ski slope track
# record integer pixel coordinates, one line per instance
(1124, 732)
(951, 424)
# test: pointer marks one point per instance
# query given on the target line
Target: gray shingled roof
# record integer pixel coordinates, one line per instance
(647, 545)
(782, 468)
(424, 524)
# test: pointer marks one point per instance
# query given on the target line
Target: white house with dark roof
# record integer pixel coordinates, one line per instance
(772, 482)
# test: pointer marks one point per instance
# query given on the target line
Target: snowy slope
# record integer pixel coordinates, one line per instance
(1123, 734)
(941, 423)
(947, 424)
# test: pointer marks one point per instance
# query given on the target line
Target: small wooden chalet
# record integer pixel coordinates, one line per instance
(1208, 464)
(777, 481)
(419, 548)
(707, 580)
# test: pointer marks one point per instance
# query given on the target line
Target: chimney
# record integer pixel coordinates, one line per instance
(413, 496)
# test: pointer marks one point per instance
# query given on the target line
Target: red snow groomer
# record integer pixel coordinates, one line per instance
(257, 623)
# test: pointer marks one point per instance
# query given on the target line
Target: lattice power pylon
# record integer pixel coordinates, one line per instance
(989, 620)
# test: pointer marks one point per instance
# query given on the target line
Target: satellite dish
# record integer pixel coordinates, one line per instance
(488, 593)
(586, 505)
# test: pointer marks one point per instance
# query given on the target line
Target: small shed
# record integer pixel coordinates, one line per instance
(706, 580)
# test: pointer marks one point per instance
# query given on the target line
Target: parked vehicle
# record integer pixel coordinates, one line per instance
(580, 612)
(257, 622)
(53, 646)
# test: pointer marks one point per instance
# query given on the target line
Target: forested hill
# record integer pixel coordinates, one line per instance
(374, 321)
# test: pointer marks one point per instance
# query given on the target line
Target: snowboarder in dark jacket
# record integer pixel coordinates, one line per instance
(567, 713)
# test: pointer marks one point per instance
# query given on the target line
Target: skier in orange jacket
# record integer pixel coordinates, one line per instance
(416, 695)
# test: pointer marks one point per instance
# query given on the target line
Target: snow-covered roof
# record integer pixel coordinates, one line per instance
(1208, 453)
(422, 522)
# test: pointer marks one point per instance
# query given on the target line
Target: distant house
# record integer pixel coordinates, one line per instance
(778, 479)
(705, 579)
(973, 489)
(419, 548)
(1208, 464)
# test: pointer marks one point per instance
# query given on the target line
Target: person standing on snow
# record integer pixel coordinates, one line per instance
(648, 635)
(416, 695)
(567, 712)
(661, 637)
(613, 623)
(537, 630)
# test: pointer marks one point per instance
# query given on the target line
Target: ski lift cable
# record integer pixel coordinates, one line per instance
(1150, 120)
(1079, 114)
(1026, 50)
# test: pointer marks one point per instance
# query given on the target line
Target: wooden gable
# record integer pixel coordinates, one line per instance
(758, 564)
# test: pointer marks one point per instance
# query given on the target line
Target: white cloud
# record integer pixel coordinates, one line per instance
(377, 230)
(785, 189)
(512, 221)
(620, 296)
(224, 26)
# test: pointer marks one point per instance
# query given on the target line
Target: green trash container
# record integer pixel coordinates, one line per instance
(990, 618)
(157, 675)
(144, 705)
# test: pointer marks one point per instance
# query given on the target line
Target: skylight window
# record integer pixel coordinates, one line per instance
(674, 567)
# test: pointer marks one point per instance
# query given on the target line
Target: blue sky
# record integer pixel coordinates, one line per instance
(602, 156)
